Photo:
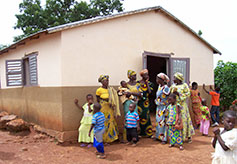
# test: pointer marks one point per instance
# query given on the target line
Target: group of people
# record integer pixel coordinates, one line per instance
(173, 121)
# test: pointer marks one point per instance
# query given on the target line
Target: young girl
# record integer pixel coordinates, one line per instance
(205, 121)
(225, 140)
(174, 119)
(85, 121)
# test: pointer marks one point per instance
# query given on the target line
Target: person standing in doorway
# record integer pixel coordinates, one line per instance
(161, 101)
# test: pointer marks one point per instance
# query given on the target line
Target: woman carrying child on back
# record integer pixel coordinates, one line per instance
(174, 122)
(225, 140)
(85, 121)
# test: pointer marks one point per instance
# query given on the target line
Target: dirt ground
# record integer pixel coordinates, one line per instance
(30, 147)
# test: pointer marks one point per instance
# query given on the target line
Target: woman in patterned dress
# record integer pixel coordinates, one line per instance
(144, 86)
(196, 104)
(161, 101)
(182, 91)
(108, 99)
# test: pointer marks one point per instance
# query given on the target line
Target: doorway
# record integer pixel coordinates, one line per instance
(161, 62)
(155, 65)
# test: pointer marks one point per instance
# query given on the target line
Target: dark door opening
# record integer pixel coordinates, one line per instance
(155, 65)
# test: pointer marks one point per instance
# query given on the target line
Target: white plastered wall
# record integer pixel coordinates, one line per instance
(114, 46)
(48, 59)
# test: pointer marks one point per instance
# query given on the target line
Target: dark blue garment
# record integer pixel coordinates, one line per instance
(99, 146)
(215, 113)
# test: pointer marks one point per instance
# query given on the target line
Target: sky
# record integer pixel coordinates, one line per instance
(215, 18)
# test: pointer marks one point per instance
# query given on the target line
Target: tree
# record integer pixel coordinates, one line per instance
(226, 79)
(199, 32)
(2, 46)
(33, 17)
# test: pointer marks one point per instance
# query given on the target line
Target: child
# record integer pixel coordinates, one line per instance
(225, 140)
(122, 90)
(205, 121)
(131, 124)
(85, 121)
(99, 129)
(174, 118)
(196, 103)
(215, 108)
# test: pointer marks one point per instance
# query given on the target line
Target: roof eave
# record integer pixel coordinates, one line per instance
(22, 41)
(215, 51)
(103, 18)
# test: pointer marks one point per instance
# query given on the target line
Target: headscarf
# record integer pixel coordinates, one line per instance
(179, 76)
(131, 73)
(163, 77)
(143, 72)
(103, 77)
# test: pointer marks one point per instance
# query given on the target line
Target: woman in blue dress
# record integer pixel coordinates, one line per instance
(161, 101)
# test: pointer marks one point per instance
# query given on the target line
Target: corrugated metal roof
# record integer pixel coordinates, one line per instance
(103, 18)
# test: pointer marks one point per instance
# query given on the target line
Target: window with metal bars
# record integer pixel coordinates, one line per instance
(22, 72)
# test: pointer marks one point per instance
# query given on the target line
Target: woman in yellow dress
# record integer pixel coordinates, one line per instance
(181, 89)
(108, 99)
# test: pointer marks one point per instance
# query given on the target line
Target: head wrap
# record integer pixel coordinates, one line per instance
(103, 77)
(131, 73)
(163, 77)
(179, 76)
(143, 72)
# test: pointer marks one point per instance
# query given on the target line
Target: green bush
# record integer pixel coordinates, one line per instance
(226, 79)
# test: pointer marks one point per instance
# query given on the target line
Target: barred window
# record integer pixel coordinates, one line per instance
(22, 72)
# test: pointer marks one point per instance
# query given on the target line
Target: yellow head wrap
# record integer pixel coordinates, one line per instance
(179, 76)
(143, 72)
(131, 73)
(103, 77)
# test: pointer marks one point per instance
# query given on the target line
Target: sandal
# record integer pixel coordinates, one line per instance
(101, 156)
(170, 146)
(163, 142)
(83, 145)
(89, 145)
(181, 148)
(97, 153)
(190, 140)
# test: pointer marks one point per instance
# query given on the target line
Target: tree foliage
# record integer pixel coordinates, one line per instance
(199, 32)
(2, 46)
(226, 79)
(33, 17)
